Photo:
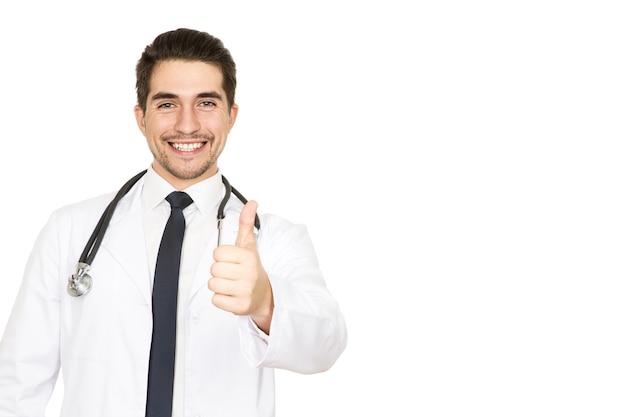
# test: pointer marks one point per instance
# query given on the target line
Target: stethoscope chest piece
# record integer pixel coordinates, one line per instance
(80, 282)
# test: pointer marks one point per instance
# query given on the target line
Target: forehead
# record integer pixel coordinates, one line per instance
(179, 77)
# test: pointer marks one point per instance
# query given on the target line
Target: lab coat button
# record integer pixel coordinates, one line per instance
(194, 318)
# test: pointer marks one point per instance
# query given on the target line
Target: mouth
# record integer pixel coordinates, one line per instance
(187, 147)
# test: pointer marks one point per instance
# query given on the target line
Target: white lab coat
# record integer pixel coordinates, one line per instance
(101, 340)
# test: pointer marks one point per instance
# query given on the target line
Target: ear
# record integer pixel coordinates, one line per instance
(141, 120)
(234, 110)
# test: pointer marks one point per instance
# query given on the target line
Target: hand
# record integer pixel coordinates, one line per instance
(240, 283)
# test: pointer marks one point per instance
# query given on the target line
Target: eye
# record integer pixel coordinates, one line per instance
(165, 106)
(207, 104)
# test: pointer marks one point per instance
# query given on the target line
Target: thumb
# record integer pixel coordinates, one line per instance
(245, 235)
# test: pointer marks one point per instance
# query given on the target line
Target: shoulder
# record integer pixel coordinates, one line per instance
(90, 210)
(84, 209)
(279, 235)
(277, 224)
(68, 227)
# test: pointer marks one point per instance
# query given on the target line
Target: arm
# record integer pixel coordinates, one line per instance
(308, 330)
(29, 351)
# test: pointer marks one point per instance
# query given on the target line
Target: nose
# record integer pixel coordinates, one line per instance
(187, 121)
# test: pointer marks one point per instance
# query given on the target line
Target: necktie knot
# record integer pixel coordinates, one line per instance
(179, 200)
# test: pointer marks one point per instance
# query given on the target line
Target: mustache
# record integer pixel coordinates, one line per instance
(203, 137)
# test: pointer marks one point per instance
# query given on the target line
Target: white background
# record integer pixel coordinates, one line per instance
(460, 166)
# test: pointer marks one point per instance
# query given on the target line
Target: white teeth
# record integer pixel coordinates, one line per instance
(186, 147)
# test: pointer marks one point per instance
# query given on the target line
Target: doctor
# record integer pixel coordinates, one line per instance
(256, 302)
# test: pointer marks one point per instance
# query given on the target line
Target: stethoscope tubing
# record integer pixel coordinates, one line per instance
(80, 283)
(93, 244)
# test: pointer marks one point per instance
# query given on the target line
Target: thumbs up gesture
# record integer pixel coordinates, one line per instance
(238, 280)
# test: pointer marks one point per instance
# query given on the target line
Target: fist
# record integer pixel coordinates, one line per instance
(238, 280)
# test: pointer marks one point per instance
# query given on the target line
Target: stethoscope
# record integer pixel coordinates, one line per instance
(81, 282)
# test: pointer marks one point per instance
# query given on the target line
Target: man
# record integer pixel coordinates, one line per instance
(255, 302)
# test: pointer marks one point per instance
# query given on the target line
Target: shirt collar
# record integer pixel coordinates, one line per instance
(206, 194)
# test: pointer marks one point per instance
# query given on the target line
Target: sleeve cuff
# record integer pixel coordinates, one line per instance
(254, 341)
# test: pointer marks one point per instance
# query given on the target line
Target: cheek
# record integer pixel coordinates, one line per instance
(155, 127)
(222, 125)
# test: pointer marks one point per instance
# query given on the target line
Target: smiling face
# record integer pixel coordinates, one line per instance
(187, 120)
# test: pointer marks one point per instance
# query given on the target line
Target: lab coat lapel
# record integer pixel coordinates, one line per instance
(125, 240)
(203, 271)
(229, 235)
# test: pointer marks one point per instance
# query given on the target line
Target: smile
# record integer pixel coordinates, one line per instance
(187, 147)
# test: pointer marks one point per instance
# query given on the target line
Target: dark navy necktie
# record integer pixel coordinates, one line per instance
(164, 300)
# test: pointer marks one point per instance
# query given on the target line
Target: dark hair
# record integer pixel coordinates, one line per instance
(187, 45)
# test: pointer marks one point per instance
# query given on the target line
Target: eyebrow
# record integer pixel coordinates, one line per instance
(165, 95)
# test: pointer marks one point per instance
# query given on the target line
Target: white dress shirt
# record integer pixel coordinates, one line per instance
(200, 225)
